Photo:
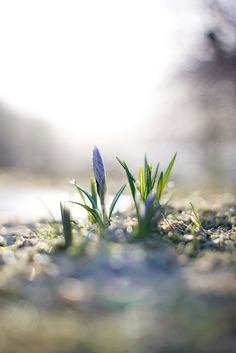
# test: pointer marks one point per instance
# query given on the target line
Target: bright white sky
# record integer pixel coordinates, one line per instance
(92, 64)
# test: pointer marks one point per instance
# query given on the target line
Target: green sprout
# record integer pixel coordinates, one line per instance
(66, 225)
(95, 203)
(196, 220)
(146, 192)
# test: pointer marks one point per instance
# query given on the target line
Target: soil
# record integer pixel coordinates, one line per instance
(174, 291)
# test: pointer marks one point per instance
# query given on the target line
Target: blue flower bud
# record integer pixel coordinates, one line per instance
(149, 202)
(152, 207)
(98, 167)
(100, 177)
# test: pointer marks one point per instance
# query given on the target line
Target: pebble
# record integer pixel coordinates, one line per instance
(188, 237)
(3, 241)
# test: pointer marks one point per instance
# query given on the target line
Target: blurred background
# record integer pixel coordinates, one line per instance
(131, 77)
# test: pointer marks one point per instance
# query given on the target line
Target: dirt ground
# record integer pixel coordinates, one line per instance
(174, 291)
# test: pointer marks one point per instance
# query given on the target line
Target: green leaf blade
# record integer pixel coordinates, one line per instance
(130, 177)
(142, 183)
(93, 212)
(132, 185)
(66, 225)
(155, 176)
(159, 186)
(196, 219)
(116, 198)
(147, 174)
(93, 190)
(92, 201)
(168, 171)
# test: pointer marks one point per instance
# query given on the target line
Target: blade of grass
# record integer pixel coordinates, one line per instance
(196, 218)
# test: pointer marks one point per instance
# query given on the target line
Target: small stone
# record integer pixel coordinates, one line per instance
(8, 257)
(41, 259)
(229, 245)
(3, 241)
(188, 237)
(71, 289)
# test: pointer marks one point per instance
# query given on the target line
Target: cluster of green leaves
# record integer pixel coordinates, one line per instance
(146, 192)
(196, 220)
(92, 206)
(95, 202)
